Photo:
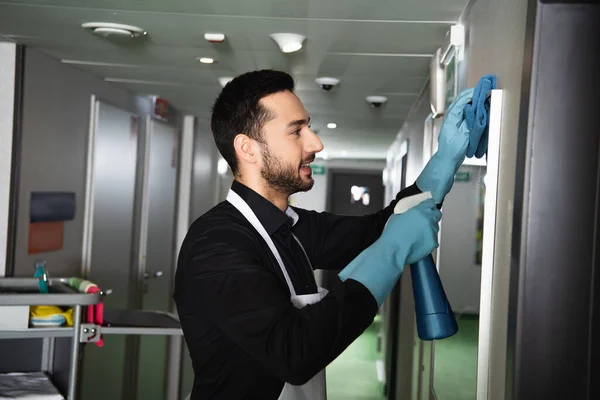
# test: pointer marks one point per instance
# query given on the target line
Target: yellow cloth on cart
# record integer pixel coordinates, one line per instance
(49, 311)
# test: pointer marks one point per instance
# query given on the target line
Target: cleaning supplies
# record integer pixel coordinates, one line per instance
(464, 133)
(95, 313)
(435, 319)
(50, 316)
(438, 175)
(28, 385)
(42, 275)
(476, 116)
(406, 238)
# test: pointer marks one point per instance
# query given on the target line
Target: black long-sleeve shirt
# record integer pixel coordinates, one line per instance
(245, 337)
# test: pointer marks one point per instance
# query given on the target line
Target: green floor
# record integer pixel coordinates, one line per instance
(353, 375)
(455, 368)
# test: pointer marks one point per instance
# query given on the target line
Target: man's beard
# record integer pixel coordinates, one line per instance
(283, 178)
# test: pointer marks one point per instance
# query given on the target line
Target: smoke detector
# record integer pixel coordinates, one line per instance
(110, 29)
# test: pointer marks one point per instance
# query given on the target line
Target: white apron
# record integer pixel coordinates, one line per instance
(314, 389)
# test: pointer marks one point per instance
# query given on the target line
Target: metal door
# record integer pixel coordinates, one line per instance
(552, 346)
(108, 233)
(157, 241)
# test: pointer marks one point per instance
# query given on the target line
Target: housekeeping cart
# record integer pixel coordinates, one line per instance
(50, 366)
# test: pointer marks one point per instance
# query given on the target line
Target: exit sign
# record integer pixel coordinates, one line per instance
(318, 169)
(462, 176)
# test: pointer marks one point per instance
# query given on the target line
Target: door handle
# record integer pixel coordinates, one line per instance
(155, 275)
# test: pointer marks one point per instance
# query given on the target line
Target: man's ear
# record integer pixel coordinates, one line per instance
(245, 149)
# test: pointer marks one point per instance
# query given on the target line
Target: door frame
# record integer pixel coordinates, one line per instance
(88, 217)
(393, 303)
(142, 209)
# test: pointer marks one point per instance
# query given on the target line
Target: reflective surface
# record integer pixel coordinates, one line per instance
(459, 263)
(158, 260)
(113, 185)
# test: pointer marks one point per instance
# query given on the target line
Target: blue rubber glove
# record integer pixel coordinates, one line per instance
(438, 175)
(406, 239)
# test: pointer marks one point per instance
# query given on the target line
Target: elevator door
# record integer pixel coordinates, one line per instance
(158, 228)
(108, 254)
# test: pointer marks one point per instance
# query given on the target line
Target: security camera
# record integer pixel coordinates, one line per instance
(327, 83)
(376, 101)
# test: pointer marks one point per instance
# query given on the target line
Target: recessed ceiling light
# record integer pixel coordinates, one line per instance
(112, 29)
(206, 60)
(288, 42)
(214, 37)
(332, 125)
(225, 80)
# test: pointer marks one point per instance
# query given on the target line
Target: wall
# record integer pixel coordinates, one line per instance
(316, 198)
(204, 178)
(495, 44)
(7, 87)
(459, 271)
(56, 109)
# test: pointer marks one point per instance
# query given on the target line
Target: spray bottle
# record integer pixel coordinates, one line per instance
(435, 319)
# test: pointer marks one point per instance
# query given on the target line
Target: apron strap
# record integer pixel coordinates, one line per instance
(247, 212)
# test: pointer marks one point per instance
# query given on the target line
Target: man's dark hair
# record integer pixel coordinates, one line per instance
(238, 109)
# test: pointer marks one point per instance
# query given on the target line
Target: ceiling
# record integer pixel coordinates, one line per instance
(375, 47)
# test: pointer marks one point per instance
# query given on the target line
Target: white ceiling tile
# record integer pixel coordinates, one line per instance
(381, 47)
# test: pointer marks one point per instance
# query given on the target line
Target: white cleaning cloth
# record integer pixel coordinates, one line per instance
(27, 386)
(407, 203)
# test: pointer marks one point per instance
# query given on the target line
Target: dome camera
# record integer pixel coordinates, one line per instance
(376, 101)
(327, 83)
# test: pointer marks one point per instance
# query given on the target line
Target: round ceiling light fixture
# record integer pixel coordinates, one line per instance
(288, 42)
(206, 60)
(111, 29)
(214, 37)
(332, 125)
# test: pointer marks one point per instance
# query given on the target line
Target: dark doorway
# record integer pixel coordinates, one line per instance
(352, 193)
(355, 193)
